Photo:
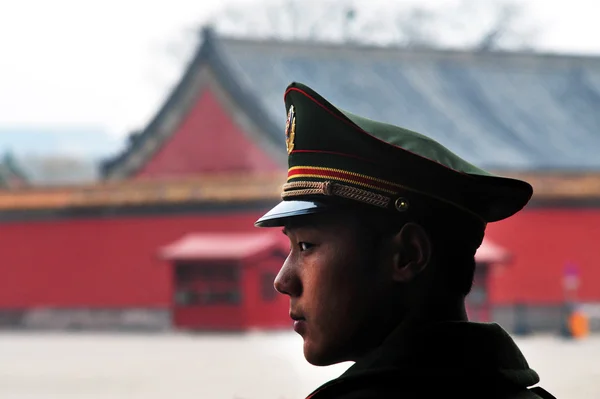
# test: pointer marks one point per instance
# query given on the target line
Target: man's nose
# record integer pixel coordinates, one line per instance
(287, 281)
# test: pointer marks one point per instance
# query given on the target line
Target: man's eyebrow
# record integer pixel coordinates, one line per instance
(289, 229)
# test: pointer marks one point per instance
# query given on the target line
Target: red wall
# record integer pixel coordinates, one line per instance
(97, 262)
(261, 313)
(207, 141)
(215, 317)
(112, 262)
(541, 242)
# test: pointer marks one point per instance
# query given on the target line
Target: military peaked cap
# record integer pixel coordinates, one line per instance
(334, 154)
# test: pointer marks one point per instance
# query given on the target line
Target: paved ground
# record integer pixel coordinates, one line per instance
(253, 366)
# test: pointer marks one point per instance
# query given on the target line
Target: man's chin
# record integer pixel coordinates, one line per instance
(318, 356)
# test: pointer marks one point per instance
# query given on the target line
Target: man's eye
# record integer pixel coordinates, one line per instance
(304, 246)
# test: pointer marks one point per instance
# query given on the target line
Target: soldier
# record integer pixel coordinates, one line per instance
(384, 224)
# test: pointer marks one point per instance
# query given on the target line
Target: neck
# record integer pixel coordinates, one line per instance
(436, 310)
(412, 322)
(447, 310)
(444, 309)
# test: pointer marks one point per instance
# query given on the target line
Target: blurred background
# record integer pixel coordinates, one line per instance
(140, 140)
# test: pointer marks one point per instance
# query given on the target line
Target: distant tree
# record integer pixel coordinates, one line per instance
(474, 24)
(48, 170)
(478, 25)
(11, 174)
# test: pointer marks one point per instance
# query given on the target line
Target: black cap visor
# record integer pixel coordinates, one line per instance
(278, 216)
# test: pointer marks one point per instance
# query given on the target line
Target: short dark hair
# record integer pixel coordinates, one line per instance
(455, 236)
(454, 248)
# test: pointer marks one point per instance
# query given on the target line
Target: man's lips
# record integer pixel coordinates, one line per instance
(299, 324)
(296, 317)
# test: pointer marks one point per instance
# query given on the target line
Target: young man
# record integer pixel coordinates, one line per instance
(384, 224)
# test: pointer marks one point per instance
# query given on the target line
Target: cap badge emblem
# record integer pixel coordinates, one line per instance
(290, 129)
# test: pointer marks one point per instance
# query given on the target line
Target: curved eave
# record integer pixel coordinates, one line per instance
(216, 188)
(553, 186)
(548, 188)
(209, 58)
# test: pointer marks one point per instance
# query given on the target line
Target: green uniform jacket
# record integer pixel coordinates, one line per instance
(442, 360)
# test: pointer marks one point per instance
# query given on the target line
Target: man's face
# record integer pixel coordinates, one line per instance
(337, 286)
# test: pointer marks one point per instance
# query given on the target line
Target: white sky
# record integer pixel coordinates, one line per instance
(105, 62)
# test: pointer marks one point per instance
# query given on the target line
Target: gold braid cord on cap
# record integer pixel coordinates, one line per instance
(336, 185)
(303, 188)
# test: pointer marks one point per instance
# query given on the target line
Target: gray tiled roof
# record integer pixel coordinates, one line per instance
(501, 111)
(498, 110)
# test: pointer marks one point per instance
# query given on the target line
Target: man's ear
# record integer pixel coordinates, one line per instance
(411, 248)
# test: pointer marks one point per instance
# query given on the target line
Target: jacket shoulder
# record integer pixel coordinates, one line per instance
(377, 387)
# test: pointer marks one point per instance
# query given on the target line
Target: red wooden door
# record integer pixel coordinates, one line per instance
(207, 296)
